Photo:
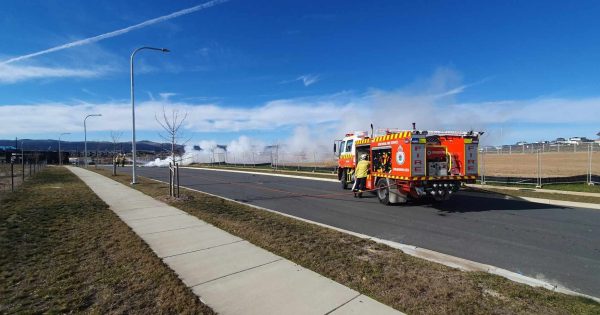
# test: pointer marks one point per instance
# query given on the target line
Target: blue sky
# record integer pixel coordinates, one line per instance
(277, 71)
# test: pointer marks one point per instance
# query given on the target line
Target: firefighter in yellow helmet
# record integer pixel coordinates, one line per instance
(361, 172)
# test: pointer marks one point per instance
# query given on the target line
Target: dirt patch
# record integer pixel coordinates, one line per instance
(553, 164)
(64, 251)
(169, 199)
(409, 284)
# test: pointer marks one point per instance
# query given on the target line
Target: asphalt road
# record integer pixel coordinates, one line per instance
(557, 244)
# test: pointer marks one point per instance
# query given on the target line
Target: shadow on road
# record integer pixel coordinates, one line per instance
(476, 202)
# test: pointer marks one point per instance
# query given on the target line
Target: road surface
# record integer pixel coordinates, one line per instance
(558, 244)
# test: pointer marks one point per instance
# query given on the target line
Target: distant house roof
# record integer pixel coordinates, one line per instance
(7, 148)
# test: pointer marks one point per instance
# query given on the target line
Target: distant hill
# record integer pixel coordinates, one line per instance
(74, 146)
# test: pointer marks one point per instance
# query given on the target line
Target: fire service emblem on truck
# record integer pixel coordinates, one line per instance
(400, 158)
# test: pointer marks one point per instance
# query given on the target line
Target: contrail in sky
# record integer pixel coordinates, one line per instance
(122, 31)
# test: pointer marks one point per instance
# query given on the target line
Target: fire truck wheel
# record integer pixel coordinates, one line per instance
(343, 180)
(383, 192)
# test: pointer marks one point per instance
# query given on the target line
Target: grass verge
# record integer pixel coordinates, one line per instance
(525, 192)
(63, 251)
(578, 187)
(569, 187)
(406, 283)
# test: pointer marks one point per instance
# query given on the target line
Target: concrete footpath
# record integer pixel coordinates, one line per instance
(228, 273)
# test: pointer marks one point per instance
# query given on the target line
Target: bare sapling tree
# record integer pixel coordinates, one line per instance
(171, 124)
(115, 136)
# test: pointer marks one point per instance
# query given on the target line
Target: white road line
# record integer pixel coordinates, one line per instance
(261, 173)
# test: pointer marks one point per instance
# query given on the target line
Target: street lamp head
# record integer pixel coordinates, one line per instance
(165, 50)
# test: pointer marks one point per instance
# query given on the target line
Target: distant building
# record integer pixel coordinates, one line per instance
(560, 140)
(578, 140)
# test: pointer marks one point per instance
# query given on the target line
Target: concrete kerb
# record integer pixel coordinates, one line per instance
(551, 191)
(552, 202)
(430, 255)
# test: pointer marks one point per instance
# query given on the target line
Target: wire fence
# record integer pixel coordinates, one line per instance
(542, 166)
(542, 147)
(532, 164)
(12, 175)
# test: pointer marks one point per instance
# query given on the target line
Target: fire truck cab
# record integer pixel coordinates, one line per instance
(410, 164)
(345, 151)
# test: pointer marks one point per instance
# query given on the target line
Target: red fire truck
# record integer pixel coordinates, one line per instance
(410, 164)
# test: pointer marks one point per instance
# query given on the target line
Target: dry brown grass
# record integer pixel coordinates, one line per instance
(406, 283)
(63, 251)
(554, 164)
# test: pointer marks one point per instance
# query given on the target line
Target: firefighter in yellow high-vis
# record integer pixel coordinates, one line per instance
(361, 172)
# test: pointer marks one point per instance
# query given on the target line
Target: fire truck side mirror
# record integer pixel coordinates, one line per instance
(334, 147)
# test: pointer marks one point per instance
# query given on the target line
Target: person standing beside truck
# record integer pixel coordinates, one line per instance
(361, 172)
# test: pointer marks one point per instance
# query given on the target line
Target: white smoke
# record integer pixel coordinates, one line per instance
(241, 150)
(190, 156)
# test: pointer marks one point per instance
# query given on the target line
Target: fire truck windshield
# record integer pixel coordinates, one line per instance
(348, 147)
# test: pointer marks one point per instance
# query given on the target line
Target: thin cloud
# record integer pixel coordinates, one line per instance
(323, 118)
(166, 95)
(13, 74)
(308, 79)
(122, 31)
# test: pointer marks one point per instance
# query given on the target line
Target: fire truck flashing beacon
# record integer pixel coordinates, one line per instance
(411, 164)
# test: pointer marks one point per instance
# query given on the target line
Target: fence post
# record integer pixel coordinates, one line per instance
(12, 176)
(314, 161)
(177, 174)
(590, 154)
(539, 170)
(482, 168)
(170, 180)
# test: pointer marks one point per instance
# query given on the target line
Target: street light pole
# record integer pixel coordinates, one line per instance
(133, 149)
(85, 137)
(60, 155)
